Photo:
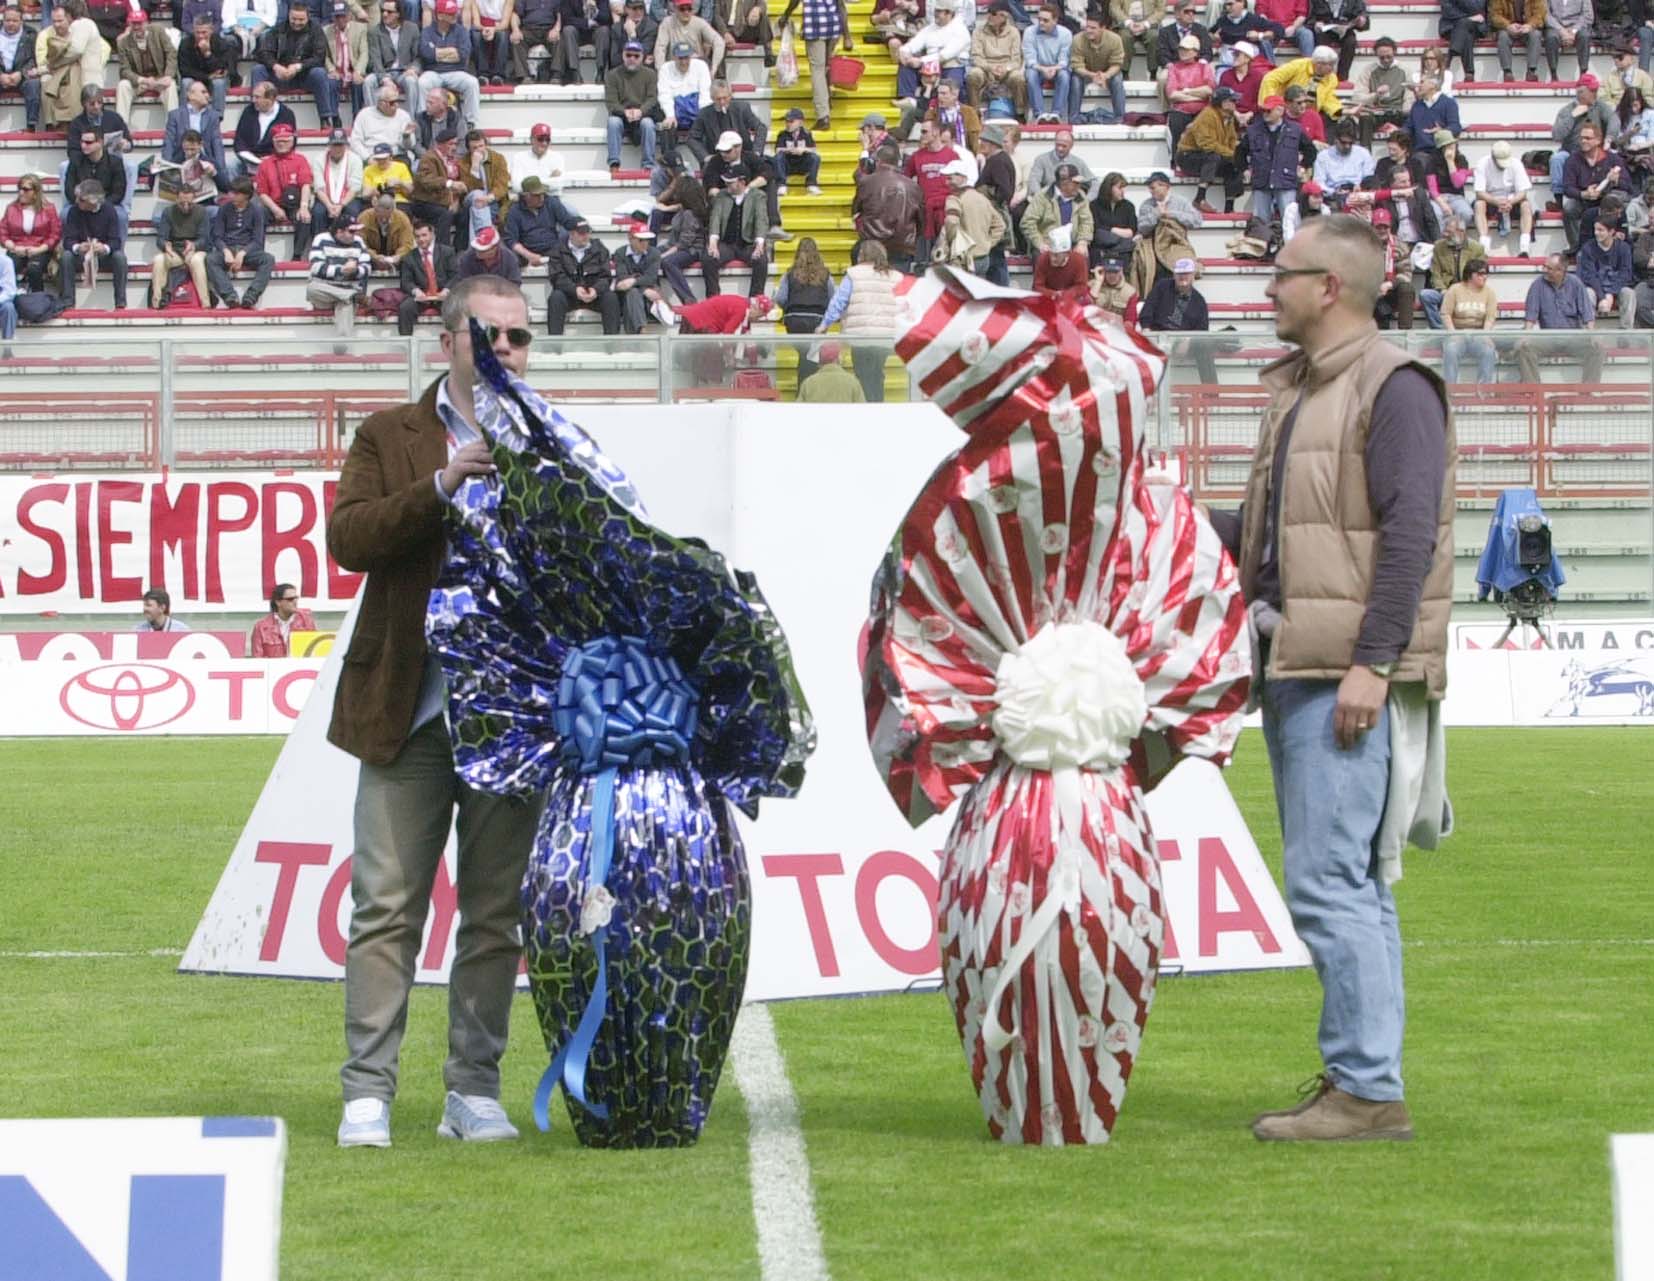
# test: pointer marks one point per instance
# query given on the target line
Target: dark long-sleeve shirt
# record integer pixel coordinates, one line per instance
(1606, 271)
(234, 229)
(80, 226)
(1406, 463)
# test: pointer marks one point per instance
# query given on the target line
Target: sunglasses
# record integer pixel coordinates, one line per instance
(518, 338)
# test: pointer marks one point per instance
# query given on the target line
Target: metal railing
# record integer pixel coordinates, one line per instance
(1570, 415)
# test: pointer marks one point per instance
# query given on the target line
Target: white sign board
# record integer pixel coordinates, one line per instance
(1632, 1157)
(156, 1199)
(156, 696)
(1620, 635)
(844, 890)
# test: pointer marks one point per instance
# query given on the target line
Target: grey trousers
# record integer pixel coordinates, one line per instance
(402, 815)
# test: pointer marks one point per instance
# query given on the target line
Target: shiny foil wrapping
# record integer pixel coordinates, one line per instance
(1050, 915)
(555, 555)
(678, 907)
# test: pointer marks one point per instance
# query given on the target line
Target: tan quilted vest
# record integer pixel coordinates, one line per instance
(1328, 535)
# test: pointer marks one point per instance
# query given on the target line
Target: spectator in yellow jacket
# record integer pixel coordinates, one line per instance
(1318, 71)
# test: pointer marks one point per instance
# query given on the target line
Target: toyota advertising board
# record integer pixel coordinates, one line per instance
(200, 696)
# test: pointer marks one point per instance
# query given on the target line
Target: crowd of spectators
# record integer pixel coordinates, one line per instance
(409, 190)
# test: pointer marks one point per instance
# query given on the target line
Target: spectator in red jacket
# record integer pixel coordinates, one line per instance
(271, 633)
(30, 232)
(1058, 270)
(721, 314)
(286, 188)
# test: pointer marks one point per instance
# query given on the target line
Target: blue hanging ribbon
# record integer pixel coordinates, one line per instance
(618, 706)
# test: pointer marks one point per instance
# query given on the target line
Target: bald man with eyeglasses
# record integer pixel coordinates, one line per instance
(1345, 546)
(404, 466)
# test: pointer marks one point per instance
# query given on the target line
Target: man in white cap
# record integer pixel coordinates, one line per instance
(637, 278)
(970, 214)
(1175, 306)
(1059, 270)
(1502, 189)
(945, 38)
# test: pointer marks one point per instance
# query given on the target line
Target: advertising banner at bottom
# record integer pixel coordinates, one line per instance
(160, 696)
(844, 891)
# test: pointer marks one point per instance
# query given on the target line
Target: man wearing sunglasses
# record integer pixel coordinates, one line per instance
(272, 632)
(404, 466)
(1345, 544)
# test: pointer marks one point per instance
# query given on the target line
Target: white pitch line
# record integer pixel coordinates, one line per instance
(783, 1208)
(82, 956)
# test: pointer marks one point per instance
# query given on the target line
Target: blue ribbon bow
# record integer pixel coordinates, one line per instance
(618, 706)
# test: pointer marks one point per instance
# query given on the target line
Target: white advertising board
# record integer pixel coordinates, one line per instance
(160, 696)
(844, 891)
(152, 1199)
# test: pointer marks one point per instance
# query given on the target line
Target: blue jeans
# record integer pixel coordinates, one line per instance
(482, 212)
(320, 84)
(30, 90)
(1559, 160)
(1331, 802)
(1116, 97)
(1432, 300)
(1306, 40)
(1272, 204)
(1456, 349)
(8, 320)
(1036, 94)
(645, 129)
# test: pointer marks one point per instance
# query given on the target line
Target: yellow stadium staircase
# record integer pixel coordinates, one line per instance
(826, 218)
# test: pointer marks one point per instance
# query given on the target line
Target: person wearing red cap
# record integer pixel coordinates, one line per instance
(488, 256)
(1311, 203)
(445, 53)
(286, 188)
(1272, 149)
(148, 64)
(539, 161)
(293, 55)
(1394, 308)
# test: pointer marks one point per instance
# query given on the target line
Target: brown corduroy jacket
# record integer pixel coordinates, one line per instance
(387, 522)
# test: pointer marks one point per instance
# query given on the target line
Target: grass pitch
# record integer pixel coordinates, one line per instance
(1530, 970)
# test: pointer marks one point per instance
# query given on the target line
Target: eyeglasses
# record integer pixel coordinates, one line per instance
(516, 337)
(288, 600)
(1287, 273)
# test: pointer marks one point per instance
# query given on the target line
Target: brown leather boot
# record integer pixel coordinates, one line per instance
(1335, 1116)
(1309, 1094)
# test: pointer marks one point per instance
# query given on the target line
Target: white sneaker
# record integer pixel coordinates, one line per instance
(781, 190)
(813, 189)
(366, 1124)
(474, 1118)
(1524, 246)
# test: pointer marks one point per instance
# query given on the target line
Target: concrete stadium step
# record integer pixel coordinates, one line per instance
(581, 107)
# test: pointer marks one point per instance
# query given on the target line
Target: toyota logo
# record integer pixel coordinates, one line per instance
(127, 696)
